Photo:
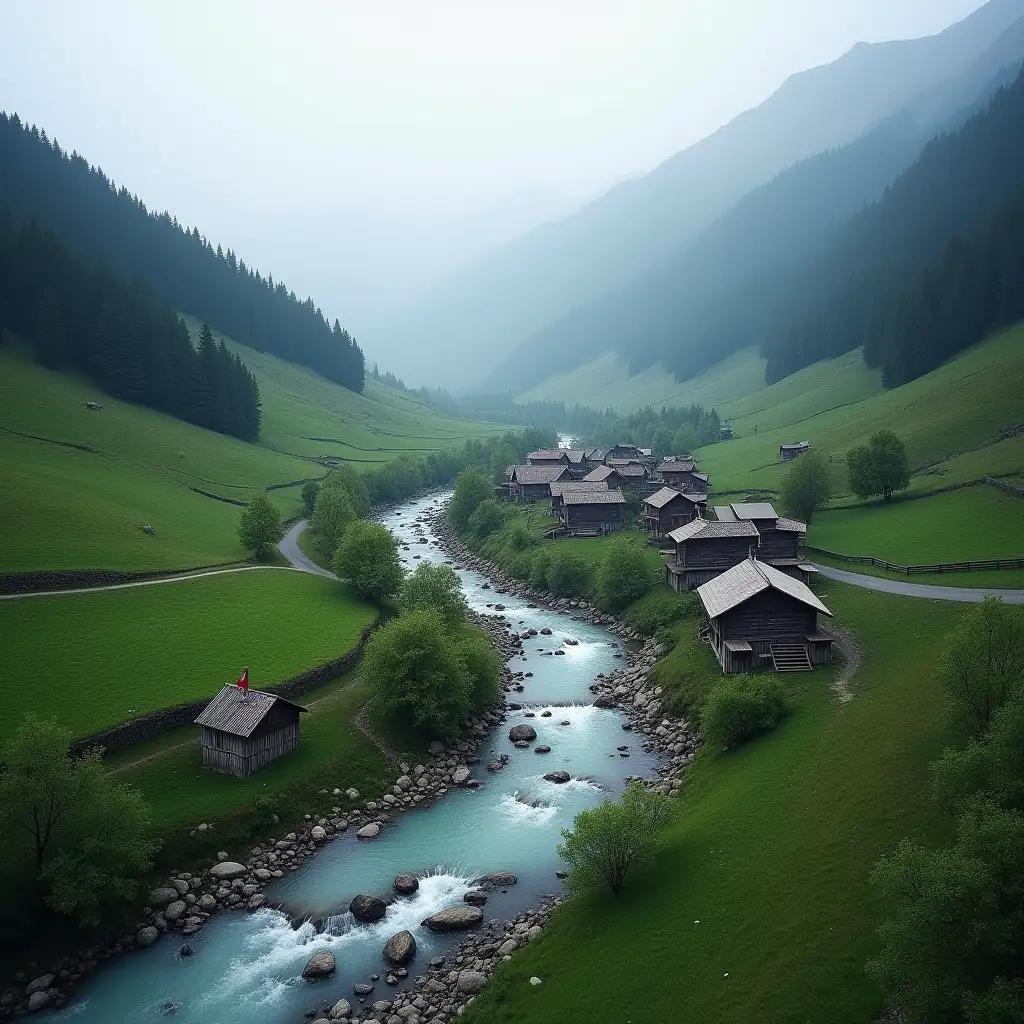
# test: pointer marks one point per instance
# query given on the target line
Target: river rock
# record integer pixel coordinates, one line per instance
(475, 898)
(367, 908)
(351, 794)
(542, 748)
(605, 701)
(499, 878)
(362, 988)
(320, 965)
(147, 936)
(471, 982)
(400, 948)
(508, 947)
(453, 919)
(318, 833)
(161, 897)
(369, 831)
(461, 775)
(40, 984)
(559, 777)
(341, 1009)
(37, 1001)
(406, 885)
(522, 732)
(227, 870)
(174, 910)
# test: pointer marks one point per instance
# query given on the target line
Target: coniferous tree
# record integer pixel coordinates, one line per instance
(51, 349)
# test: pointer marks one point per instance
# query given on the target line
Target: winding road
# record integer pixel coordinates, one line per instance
(289, 548)
(928, 591)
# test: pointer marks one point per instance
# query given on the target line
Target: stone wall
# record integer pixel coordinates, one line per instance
(145, 727)
(74, 579)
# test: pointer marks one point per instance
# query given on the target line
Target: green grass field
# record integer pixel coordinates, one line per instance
(102, 658)
(975, 523)
(66, 508)
(758, 906)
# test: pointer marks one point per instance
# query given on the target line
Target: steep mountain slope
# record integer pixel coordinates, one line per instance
(533, 282)
(711, 297)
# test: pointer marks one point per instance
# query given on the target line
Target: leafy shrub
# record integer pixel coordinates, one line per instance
(332, 514)
(487, 518)
(483, 666)
(310, 489)
(539, 568)
(472, 489)
(660, 609)
(519, 538)
(742, 706)
(567, 573)
(435, 587)
(368, 558)
(608, 841)
(623, 575)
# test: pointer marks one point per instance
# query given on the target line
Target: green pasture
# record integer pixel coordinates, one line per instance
(975, 523)
(98, 659)
(70, 507)
(758, 905)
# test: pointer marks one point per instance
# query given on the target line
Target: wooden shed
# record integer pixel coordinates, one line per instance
(612, 477)
(533, 483)
(760, 618)
(781, 540)
(705, 549)
(560, 487)
(667, 509)
(548, 457)
(682, 475)
(623, 451)
(592, 513)
(243, 730)
(788, 452)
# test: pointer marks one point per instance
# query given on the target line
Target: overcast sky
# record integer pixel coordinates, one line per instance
(238, 114)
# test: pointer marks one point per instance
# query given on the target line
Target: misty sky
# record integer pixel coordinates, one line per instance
(327, 142)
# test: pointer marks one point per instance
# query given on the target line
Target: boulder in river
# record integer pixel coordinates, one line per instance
(461, 775)
(558, 777)
(453, 919)
(522, 732)
(406, 885)
(319, 965)
(340, 1010)
(161, 897)
(367, 908)
(542, 748)
(605, 701)
(475, 898)
(368, 831)
(147, 936)
(498, 878)
(400, 948)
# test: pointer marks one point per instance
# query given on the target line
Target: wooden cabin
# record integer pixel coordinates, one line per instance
(760, 618)
(548, 457)
(667, 509)
(705, 549)
(592, 513)
(788, 452)
(533, 483)
(594, 457)
(623, 451)
(243, 730)
(781, 540)
(559, 487)
(725, 432)
(682, 475)
(634, 473)
(612, 477)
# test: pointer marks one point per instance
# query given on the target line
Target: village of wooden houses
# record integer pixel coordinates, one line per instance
(743, 559)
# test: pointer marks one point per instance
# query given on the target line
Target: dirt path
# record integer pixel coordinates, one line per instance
(929, 591)
(847, 643)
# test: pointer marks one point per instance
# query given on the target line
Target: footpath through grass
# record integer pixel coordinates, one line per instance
(758, 907)
(93, 660)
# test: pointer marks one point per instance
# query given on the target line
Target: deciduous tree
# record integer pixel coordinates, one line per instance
(879, 467)
(368, 558)
(332, 515)
(623, 575)
(808, 484)
(435, 587)
(259, 525)
(472, 488)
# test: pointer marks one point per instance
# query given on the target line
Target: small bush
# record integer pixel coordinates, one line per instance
(487, 518)
(567, 573)
(661, 608)
(741, 707)
(623, 575)
(539, 568)
(519, 538)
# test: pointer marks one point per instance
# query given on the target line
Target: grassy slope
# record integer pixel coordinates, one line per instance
(67, 508)
(126, 652)
(769, 851)
(605, 383)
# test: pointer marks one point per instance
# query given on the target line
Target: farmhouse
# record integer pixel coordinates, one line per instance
(559, 487)
(760, 618)
(533, 483)
(781, 540)
(705, 549)
(666, 509)
(788, 452)
(243, 730)
(591, 513)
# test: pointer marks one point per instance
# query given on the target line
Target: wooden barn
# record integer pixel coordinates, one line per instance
(682, 475)
(705, 549)
(788, 452)
(594, 457)
(634, 473)
(559, 487)
(533, 483)
(243, 730)
(760, 618)
(667, 509)
(592, 513)
(781, 540)
(548, 457)
(623, 451)
(612, 477)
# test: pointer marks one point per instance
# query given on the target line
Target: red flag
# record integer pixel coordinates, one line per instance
(243, 681)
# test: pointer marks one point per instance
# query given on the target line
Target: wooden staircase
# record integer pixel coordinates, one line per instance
(790, 658)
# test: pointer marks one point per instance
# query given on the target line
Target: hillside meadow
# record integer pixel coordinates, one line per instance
(760, 890)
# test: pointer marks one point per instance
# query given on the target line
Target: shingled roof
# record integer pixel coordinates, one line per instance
(560, 487)
(238, 711)
(745, 510)
(659, 499)
(538, 474)
(674, 464)
(706, 529)
(610, 497)
(601, 473)
(744, 581)
(549, 454)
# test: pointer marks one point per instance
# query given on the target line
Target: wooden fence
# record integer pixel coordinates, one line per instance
(986, 565)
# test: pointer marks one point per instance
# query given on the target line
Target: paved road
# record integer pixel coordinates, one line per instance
(289, 547)
(927, 590)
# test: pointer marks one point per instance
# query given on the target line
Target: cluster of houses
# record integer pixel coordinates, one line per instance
(744, 560)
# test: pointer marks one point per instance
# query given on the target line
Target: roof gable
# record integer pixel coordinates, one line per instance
(744, 581)
(560, 487)
(708, 529)
(238, 711)
(754, 510)
(539, 474)
(601, 473)
(593, 498)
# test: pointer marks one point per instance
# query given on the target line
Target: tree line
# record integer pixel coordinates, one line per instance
(81, 316)
(38, 179)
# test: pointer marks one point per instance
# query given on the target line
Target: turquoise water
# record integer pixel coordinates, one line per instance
(247, 967)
